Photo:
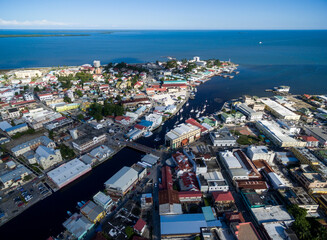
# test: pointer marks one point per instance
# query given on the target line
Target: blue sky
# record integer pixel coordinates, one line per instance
(168, 14)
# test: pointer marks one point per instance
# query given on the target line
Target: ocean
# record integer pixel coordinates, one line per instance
(294, 58)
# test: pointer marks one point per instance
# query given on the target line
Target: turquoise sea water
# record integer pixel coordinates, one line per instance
(277, 48)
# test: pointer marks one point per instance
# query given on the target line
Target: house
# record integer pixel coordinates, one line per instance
(223, 197)
(140, 225)
(14, 177)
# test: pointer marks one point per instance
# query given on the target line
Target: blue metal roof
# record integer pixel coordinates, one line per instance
(182, 224)
(16, 127)
(146, 123)
(208, 214)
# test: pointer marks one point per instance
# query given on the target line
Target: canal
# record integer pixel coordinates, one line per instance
(45, 218)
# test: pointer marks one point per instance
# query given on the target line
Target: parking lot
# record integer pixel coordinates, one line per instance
(16, 201)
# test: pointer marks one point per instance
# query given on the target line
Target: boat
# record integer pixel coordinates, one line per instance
(260, 42)
(224, 76)
(148, 134)
(157, 139)
(69, 213)
(198, 114)
(237, 72)
(195, 89)
(187, 104)
(79, 204)
(181, 119)
(181, 110)
(231, 77)
(192, 110)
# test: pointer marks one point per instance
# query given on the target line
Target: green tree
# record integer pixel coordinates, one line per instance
(37, 89)
(80, 116)
(79, 93)
(129, 232)
(67, 99)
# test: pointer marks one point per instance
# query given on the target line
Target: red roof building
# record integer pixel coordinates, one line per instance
(167, 180)
(223, 197)
(190, 196)
(234, 217)
(195, 123)
(140, 226)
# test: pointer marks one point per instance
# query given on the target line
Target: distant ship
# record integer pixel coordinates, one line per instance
(260, 42)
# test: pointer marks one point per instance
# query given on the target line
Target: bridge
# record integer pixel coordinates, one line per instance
(143, 148)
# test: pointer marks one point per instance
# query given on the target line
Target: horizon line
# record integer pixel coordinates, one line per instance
(166, 29)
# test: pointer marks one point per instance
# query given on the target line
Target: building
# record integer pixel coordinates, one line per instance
(32, 145)
(249, 112)
(222, 138)
(212, 181)
(257, 185)
(260, 152)
(101, 153)
(28, 96)
(146, 200)
(78, 225)
(122, 181)
(311, 141)
(305, 156)
(245, 231)
(28, 73)
(252, 199)
(300, 197)
(93, 212)
(190, 196)
(67, 107)
(169, 203)
(272, 214)
(156, 119)
(276, 135)
(182, 135)
(182, 225)
(279, 110)
(311, 180)
(140, 226)
(103, 200)
(68, 172)
(318, 133)
(16, 129)
(45, 96)
(47, 157)
(13, 113)
(223, 197)
(88, 141)
(14, 177)
(150, 159)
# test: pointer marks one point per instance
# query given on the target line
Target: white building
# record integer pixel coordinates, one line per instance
(45, 96)
(276, 135)
(279, 110)
(260, 152)
(47, 157)
(28, 96)
(155, 118)
(68, 172)
(14, 177)
(222, 138)
(28, 73)
(103, 200)
(249, 112)
(212, 181)
(122, 181)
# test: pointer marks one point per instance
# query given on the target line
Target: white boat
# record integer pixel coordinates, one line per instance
(192, 110)
(157, 139)
(260, 42)
(187, 104)
(148, 134)
(198, 114)
(181, 110)
(181, 119)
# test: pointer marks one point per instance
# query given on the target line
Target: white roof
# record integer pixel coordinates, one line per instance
(275, 130)
(278, 108)
(181, 130)
(68, 171)
(276, 179)
(150, 158)
(122, 179)
(231, 160)
(275, 231)
(271, 214)
(102, 198)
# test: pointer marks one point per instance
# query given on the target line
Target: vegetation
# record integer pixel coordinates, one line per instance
(66, 152)
(247, 140)
(27, 178)
(67, 99)
(19, 134)
(51, 134)
(80, 116)
(129, 232)
(136, 211)
(207, 201)
(306, 228)
(189, 68)
(79, 93)
(171, 64)
(97, 110)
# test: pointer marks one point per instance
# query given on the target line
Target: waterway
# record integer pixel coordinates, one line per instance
(45, 218)
(252, 80)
